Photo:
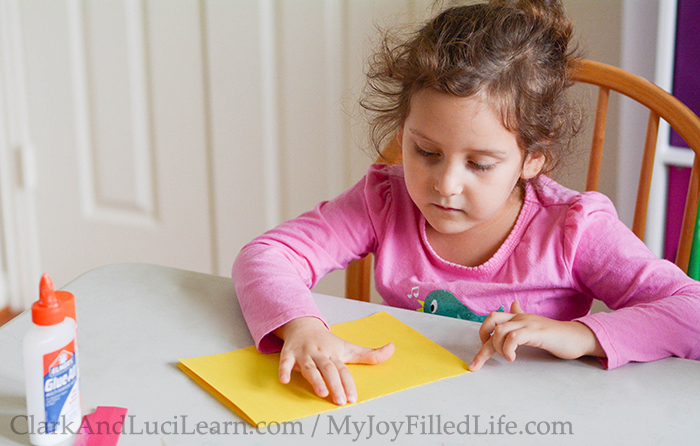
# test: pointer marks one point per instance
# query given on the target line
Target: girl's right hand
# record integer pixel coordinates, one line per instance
(320, 356)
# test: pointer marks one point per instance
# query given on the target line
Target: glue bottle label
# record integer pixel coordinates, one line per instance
(60, 386)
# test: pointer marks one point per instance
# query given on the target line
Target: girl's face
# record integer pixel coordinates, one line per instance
(460, 164)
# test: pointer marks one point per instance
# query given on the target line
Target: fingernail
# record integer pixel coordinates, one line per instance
(352, 399)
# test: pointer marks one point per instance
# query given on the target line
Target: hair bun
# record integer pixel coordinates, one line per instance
(550, 12)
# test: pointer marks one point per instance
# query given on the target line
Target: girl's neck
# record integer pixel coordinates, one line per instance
(477, 245)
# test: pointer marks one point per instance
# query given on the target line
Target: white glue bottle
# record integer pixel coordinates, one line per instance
(51, 371)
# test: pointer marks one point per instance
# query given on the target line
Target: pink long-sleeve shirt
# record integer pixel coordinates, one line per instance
(566, 249)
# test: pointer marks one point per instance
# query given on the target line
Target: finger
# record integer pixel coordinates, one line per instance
(310, 372)
(503, 333)
(329, 371)
(515, 307)
(491, 322)
(347, 381)
(287, 362)
(511, 343)
(484, 354)
(362, 355)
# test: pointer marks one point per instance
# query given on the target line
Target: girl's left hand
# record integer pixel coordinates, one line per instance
(502, 333)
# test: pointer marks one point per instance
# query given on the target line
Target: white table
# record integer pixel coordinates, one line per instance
(136, 320)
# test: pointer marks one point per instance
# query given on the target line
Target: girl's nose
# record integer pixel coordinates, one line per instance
(449, 181)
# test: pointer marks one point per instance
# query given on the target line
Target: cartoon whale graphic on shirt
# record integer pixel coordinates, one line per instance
(444, 303)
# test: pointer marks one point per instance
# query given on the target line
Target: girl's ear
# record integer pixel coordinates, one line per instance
(532, 166)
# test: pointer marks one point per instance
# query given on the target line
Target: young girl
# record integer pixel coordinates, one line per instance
(469, 221)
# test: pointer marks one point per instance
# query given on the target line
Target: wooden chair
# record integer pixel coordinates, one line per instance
(660, 104)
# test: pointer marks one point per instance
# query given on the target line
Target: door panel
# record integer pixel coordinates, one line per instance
(116, 111)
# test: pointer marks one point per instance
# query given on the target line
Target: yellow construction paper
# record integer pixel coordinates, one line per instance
(247, 381)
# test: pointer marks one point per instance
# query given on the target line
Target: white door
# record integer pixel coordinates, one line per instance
(115, 112)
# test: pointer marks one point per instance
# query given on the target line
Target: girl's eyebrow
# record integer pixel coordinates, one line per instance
(486, 152)
(420, 135)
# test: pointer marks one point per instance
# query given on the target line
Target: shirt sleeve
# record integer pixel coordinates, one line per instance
(274, 273)
(656, 306)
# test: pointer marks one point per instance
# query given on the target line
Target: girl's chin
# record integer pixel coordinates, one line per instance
(448, 228)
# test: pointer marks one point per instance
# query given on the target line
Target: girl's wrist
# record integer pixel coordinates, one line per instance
(299, 325)
(590, 343)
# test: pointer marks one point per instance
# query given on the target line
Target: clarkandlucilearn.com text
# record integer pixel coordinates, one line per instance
(356, 427)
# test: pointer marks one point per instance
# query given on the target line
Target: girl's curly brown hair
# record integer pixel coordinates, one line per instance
(516, 54)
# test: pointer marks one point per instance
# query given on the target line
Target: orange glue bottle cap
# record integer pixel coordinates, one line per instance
(47, 310)
(67, 300)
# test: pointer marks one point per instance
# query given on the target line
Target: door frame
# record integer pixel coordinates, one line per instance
(19, 249)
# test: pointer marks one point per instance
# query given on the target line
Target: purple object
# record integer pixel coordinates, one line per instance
(686, 73)
(686, 87)
(678, 180)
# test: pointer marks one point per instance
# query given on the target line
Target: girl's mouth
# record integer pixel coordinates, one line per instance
(446, 209)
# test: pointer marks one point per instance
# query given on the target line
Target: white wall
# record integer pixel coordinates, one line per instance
(639, 46)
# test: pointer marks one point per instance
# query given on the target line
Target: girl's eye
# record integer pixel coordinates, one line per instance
(481, 167)
(425, 153)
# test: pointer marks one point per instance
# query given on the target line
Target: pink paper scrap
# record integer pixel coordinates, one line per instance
(102, 427)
